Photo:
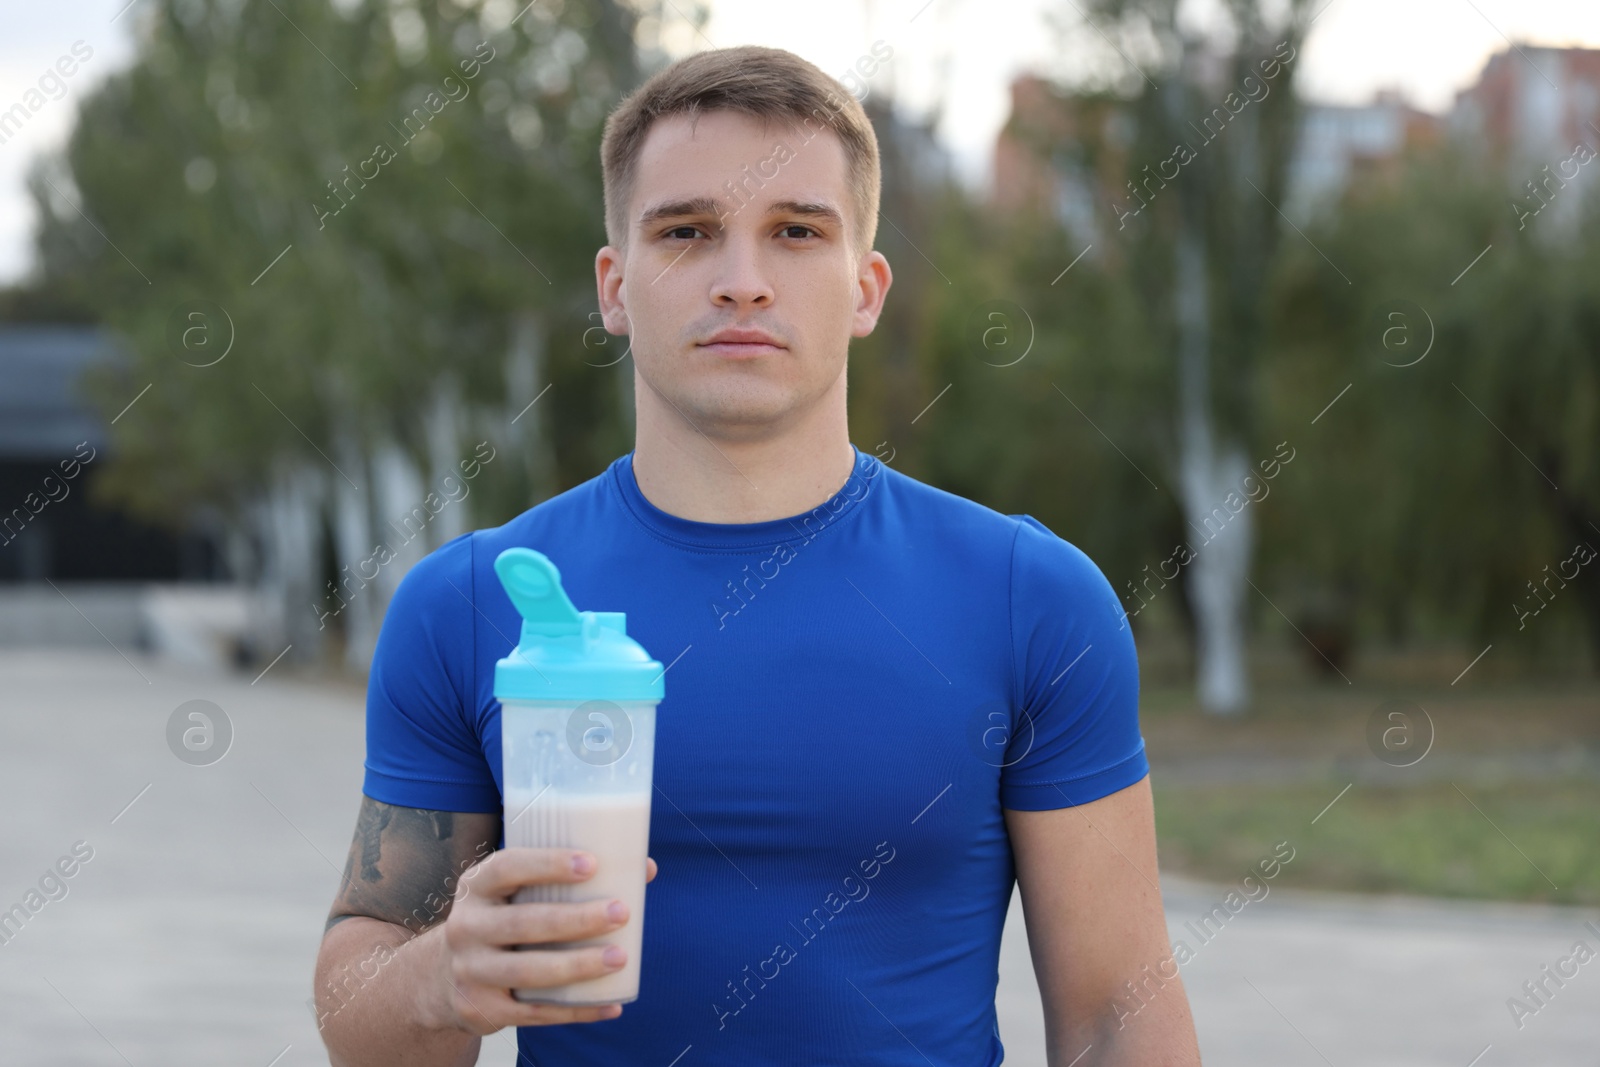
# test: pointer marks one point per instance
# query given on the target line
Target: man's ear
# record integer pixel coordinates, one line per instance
(872, 288)
(608, 277)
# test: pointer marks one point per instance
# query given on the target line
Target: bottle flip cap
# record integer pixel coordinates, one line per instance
(564, 653)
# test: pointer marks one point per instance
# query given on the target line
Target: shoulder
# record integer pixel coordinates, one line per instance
(940, 513)
(1051, 575)
(1047, 574)
(1037, 547)
(433, 575)
(1026, 541)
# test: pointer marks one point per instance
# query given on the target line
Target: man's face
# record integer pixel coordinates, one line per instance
(735, 227)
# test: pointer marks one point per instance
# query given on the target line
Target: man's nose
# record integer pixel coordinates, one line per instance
(741, 277)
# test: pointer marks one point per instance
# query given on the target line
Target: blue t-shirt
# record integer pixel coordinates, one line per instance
(853, 695)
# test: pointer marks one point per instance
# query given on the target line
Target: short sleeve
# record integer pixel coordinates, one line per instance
(1076, 736)
(421, 751)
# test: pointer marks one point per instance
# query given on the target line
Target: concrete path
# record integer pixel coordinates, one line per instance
(189, 936)
(1312, 978)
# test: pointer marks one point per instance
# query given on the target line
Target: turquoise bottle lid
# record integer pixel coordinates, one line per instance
(564, 653)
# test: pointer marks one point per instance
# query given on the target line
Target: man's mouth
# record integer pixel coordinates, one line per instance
(742, 343)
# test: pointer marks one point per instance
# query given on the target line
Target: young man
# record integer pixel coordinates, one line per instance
(884, 702)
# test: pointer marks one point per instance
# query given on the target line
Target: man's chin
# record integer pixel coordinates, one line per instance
(735, 414)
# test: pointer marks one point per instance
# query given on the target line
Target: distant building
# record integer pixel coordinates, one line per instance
(53, 449)
(1532, 104)
(1535, 113)
(1530, 108)
(1058, 152)
(923, 164)
(1339, 145)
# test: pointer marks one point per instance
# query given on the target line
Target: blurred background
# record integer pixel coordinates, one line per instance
(1286, 312)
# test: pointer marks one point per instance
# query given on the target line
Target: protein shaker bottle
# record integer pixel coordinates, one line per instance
(577, 736)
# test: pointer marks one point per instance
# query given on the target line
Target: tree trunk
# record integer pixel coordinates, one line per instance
(353, 543)
(526, 379)
(400, 491)
(1207, 473)
(445, 453)
(289, 582)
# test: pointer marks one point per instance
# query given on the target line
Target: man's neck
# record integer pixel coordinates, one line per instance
(696, 474)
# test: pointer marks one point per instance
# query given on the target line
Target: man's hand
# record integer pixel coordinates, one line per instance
(416, 961)
(476, 965)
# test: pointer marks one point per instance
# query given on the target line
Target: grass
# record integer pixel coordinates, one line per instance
(1499, 745)
(1425, 839)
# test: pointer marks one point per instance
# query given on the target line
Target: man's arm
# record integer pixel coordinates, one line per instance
(398, 985)
(1098, 934)
(399, 881)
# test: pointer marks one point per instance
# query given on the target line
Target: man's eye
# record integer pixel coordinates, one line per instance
(807, 230)
(683, 232)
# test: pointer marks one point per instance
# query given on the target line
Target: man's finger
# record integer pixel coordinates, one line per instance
(508, 870)
(542, 968)
(494, 1008)
(537, 923)
(533, 1014)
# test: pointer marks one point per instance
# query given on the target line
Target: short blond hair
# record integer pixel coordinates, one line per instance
(765, 83)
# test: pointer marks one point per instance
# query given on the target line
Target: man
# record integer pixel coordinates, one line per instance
(884, 702)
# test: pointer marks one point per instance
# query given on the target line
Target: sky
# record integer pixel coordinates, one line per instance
(958, 56)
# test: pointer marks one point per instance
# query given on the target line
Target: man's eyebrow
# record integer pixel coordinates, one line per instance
(704, 205)
(811, 208)
(677, 209)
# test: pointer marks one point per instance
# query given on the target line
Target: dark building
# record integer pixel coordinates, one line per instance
(53, 448)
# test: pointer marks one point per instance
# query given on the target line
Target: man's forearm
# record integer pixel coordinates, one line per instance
(1158, 1032)
(377, 1005)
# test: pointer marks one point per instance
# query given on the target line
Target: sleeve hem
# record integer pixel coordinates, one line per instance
(431, 795)
(1043, 796)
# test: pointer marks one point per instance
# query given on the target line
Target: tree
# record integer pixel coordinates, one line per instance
(1213, 117)
(389, 210)
(1466, 467)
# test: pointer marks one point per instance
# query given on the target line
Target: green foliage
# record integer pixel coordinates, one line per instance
(238, 135)
(1437, 491)
(1418, 505)
(1062, 432)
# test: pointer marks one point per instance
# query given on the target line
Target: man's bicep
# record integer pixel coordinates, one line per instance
(1090, 893)
(1075, 730)
(404, 863)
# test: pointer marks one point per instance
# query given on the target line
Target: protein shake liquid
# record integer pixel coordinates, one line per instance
(577, 724)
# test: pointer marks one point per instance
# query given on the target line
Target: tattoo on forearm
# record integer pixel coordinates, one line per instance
(404, 862)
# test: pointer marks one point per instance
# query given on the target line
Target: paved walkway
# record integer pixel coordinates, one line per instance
(189, 936)
(1311, 978)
